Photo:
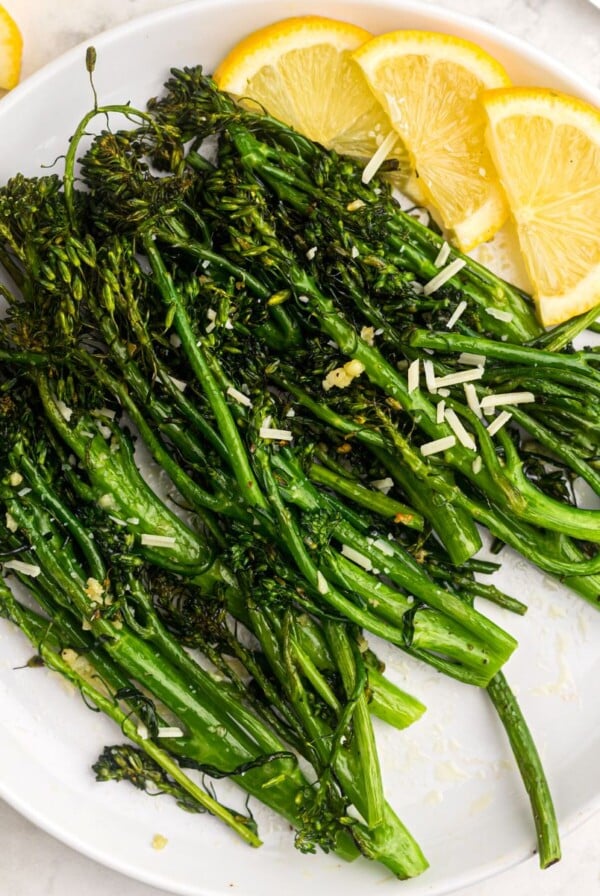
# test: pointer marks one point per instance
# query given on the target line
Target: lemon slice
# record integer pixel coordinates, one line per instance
(11, 51)
(430, 86)
(546, 147)
(302, 72)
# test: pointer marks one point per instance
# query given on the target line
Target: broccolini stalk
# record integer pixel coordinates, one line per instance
(34, 628)
(531, 769)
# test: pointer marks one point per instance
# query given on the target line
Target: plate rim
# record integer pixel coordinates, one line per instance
(19, 95)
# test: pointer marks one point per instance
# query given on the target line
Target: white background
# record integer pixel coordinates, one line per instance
(31, 862)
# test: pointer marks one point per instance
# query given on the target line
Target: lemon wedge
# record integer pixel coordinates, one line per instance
(11, 51)
(302, 72)
(430, 85)
(546, 148)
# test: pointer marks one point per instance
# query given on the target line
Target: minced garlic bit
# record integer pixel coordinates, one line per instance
(11, 523)
(94, 590)
(65, 411)
(438, 445)
(311, 253)
(443, 255)
(354, 206)
(367, 334)
(106, 501)
(444, 275)
(15, 479)
(477, 465)
(341, 377)
(159, 842)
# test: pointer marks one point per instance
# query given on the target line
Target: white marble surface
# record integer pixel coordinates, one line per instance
(31, 862)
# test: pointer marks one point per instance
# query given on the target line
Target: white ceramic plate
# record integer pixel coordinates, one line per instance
(451, 776)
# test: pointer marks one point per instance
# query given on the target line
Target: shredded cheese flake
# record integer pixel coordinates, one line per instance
(384, 546)
(498, 422)
(322, 584)
(413, 375)
(443, 255)
(438, 445)
(11, 523)
(498, 314)
(379, 157)
(455, 424)
(281, 435)
(430, 381)
(471, 360)
(179, 384)
(444, 276)
(158, 541)
(26, 569)
(440, 411)
(456, 314)
(461, 376)
(501, 398)
(477, 465)
(167, 731)
(472, 400)
(311, 253)
(239, 396)
(357, 557)
(383, 485)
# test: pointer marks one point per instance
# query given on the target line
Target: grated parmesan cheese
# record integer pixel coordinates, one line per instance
(456, 314)
(357, 557)
(440, 411)
(472, 400)
(239, 396)
(429, 370)
(158, 541)
(282, 435)
(471, 360)
(379, 157)
(501, 398)
(169, 731)
(322, 584)
(477, 465)
(498, 314)
(11, 523)
(311, 253)
(462, 376)
(455, 424)
(383, 485)
(443, 255)
(498, 422)
(413, 375)
(444, 276)
(438, 445)
(26, 569)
